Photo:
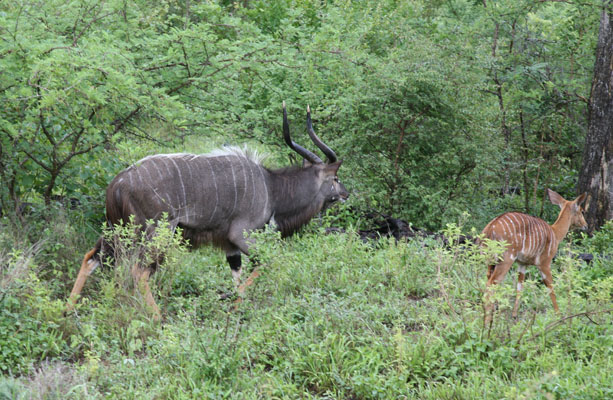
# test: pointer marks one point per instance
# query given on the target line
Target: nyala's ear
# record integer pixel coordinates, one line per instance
(306, 163)
(587, 202)
(577, 202)
(555, 198)
(333, 168)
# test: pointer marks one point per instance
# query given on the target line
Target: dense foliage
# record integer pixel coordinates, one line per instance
(440, 109)
(434, 107)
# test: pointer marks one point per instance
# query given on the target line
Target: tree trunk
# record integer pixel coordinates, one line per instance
(596, 175)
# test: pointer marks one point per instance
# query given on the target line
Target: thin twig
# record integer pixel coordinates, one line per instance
(561, 320)
(528, 325)
(442, 287)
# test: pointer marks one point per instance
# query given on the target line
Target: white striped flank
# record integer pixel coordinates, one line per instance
(150, 182)
(526, 236)
(157, 168)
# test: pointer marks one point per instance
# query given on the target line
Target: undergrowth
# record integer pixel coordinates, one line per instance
(330, 316)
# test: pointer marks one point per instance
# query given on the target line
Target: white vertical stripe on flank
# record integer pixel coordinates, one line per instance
(522, 229)
(233, 183)
(191, 176)
(526, 230)
(543, 237)
(252, 184)
(530, 234)
(264, 188)
(244, 166)
(537, 236)
(140, 180)
(506, 227)
(516, 226)
(181, 203)
(157, 168)
(241, 159)
(540, 242)
(513, 231)
(546, 241)
(216, 192)
(500, 223)
(170, 202)
(526, 233)
(153, 187)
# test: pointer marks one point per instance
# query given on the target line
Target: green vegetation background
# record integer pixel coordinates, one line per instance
(436, 108)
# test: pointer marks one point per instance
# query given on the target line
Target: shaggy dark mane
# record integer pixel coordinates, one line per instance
(296, 198)
(291, 223)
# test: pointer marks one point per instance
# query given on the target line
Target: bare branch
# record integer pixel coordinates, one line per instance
(37, 161)
(559, 322)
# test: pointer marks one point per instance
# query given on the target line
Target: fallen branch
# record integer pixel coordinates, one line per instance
(555, 324)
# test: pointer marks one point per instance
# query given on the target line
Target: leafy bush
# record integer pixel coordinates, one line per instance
(29, 318)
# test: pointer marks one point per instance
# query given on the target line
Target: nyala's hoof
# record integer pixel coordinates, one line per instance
(227, 295)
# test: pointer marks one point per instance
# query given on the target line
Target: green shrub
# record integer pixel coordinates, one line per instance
(29, 318)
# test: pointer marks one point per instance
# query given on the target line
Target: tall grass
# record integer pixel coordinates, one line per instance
(330, 317)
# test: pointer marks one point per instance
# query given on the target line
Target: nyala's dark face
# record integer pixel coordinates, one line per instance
(331, 188)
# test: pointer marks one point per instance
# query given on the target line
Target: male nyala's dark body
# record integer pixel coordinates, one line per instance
(216, 198)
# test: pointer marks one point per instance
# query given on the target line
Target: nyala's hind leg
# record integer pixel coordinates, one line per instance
(88, 266)
(255, 266)
(496, 276)
(141, 284)
(545, 269)
(234, 259)
(249, 281)
(521, 275)
(490, 270)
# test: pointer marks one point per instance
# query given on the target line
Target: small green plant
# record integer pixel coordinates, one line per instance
(12, 389)
(154, 246)
(602, 240)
